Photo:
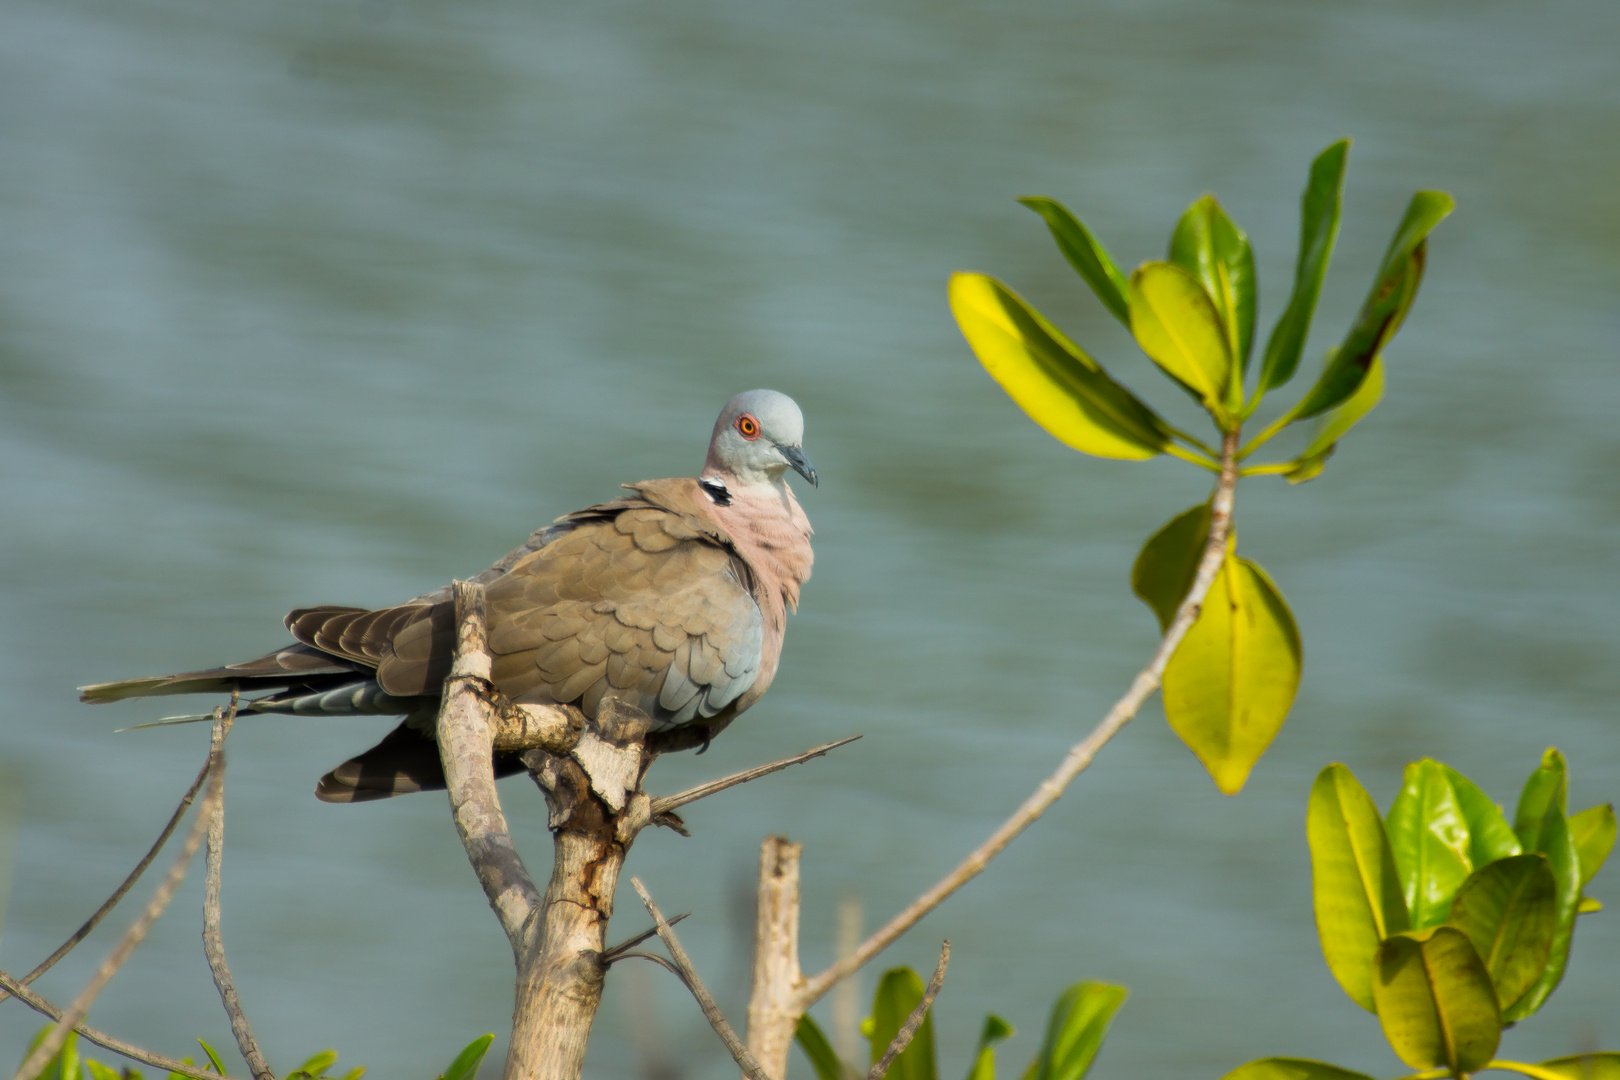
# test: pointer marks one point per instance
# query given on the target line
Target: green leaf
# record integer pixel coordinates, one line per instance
(1435, 1001)
(1428, 834)
(1588, 906)
(1280, 1068)
(1546, 788)
(98, 1071)
(1059, 386)
(984, 1059)
(1176, 324)
(1593, 831)
(1076, 1030)
(1168, 562)
(1600, 1066)
(1509, 911)
(1212, 249)
(1490, 837)
(1371, 391)
(1229, 684)
(465, 1066)
(316, 1065)
(898, 992)
(355, 1073)
(187, 1061)
(213, 1058)
(823, 1058)
(1355, 887)
(1541, 827)
(1318, 229)
(1385, 308)
(1085, 254)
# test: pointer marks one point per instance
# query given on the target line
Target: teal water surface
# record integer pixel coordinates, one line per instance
(328, 302)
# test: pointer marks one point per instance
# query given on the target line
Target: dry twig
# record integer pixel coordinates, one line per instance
(1079, 756)
(622, 949)
(15, 988)
(739, 1053)
(914, 1021)
(128, 883)
(213, 943)
(666, 803)
(132, 937)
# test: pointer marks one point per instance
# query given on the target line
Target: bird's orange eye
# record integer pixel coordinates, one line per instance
(748, 427)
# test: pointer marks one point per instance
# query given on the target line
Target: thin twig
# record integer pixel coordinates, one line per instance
(739, 1053)
(132, 937)
(15, 988)
(129, 882)
(622, 948)
(1079, 756)
(213, 942)
(666, 803)
(914, 1022)
(655, 958)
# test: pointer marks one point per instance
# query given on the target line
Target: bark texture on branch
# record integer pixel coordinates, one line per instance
(773, 1003)
(591, 773)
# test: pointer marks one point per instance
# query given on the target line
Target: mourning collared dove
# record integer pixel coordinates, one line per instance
(673, 599)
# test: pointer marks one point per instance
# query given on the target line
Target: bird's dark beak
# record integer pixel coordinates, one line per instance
(801, 464)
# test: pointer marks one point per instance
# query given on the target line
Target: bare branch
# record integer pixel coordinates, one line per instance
(739, 1053)
(15, 987)
(665, 804)
(914, 1022)
(1078, 758)
(132, 937)
(466, 739)
(213, 942)
(622, 948)
(128, 883)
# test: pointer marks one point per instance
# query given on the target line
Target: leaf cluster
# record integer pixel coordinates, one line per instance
(1232, 680)
(1442, 918)
(1074, 1033)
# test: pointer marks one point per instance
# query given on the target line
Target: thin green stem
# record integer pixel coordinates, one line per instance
(1193, 440)
(1270, 468)
(1529, 1070)
(1265, 435)
(1431, 1074)
(1197, 459)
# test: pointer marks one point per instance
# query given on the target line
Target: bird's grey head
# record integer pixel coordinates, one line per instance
(759, 436)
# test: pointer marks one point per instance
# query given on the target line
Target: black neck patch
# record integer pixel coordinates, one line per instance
(716, 490)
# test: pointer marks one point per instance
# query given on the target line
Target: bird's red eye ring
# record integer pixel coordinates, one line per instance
(748, 427)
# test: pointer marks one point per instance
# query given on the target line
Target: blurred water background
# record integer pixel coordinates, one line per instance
(327, 302)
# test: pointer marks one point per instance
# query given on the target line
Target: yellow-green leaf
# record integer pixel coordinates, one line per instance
(1059, 386)
(1428, 833)
(1435, 1001)
(1168, 562)
(1231, 681)
(1541, 826)
(1279, 1068)
(1210, 247)
(1588, 906)
(1599, 1066)
(1177, 325)
(1354, 884)
(984, 1062)
(1076, 1030)
(1371, 391)
(1490, 837)
(1509, 911)
(1593, 832)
